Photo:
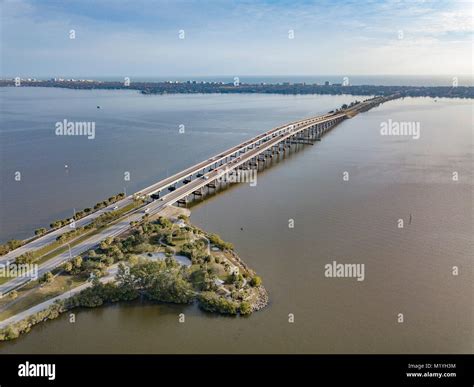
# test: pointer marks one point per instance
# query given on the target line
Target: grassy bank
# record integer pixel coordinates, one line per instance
(51, 250)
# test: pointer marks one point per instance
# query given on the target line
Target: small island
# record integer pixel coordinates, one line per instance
(165, 260)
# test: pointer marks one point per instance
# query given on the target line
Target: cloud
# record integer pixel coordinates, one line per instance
(140, 38)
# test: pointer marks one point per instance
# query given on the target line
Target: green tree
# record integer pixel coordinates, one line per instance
(48, 277)
(68, 266)
(165, 222)
(216, 240)
(256, 281)
(169, 239)
(213, 303)
(27, 257)
(77, 262)
(10, 245)
(245, 308)
(40, 231)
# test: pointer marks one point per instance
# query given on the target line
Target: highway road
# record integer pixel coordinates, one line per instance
(159, 186)
(110, 276)
(273, 138)
(195, 169)
(165, 183)
(74, 251)
(51, 236)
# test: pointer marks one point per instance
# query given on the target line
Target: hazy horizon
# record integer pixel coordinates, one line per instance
(175, 75)
(352, 79)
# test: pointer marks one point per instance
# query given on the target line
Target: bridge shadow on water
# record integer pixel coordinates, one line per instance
(208, 193)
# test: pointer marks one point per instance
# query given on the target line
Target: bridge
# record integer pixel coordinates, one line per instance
(249, 153)
(191, 181)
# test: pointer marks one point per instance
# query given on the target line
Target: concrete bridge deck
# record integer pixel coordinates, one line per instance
(287, 130)
(197, 177)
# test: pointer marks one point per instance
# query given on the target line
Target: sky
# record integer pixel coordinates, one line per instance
(294, 37)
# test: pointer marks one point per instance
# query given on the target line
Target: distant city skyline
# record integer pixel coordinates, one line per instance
(313, 79)
(258, 38)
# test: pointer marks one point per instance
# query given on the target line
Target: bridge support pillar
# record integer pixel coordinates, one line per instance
(198, 192)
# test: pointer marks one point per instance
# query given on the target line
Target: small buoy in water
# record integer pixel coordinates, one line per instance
(241, 228)
(65, 165)
(98, 106)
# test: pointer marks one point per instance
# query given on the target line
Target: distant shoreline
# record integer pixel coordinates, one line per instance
(285, 88)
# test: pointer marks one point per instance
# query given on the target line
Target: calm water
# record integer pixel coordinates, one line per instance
(134, 133)
(406, 270)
